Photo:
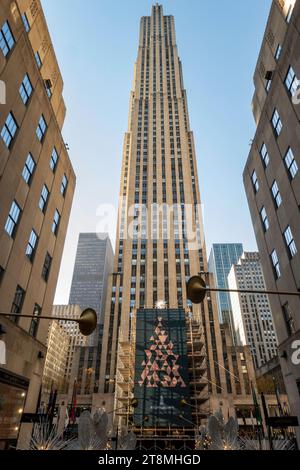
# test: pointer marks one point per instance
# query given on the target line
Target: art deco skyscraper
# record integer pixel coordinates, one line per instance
(159, 167)
(160, 241)
(159, 245)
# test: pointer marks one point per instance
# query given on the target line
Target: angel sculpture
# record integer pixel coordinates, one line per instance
(93, 433)
(219, 435)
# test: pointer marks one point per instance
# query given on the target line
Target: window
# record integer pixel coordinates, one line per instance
(255, 181)
(264, 155)
(17, 303)
(9, 130)
(32, 244)
(46, 267)
(41, 128)
(268, 85)
(48, 86)
(49, 92)
(28, 169)
(276, 194)
(64, 185)
(25, 89)
(44, 198)
(56, 220)
(276, 122)
(278, 51)
(53, 159)
(264, 218)
(288, 318)
(275, 263)
(291, 81)
(38, 59)
(33, 329)
(6, 39)
(289, 13)
(12, 220)
(290, 242)
(291, 163)
(26, 22)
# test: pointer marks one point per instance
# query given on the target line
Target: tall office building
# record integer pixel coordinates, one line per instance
(36, 190)
(92, 270)
(252, 316)
(272, 179)
(159, 245)
(93, 264)
(222, 257)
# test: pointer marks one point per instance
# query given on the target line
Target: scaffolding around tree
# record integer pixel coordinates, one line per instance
(171, 437)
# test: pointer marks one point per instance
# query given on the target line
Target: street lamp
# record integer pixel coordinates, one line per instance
(197, 290)
(87, 321)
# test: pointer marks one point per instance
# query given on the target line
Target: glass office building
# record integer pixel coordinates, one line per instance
(222, 257)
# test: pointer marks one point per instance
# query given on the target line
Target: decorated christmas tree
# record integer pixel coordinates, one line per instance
(160, 363)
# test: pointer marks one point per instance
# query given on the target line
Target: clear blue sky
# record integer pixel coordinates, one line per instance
(96, 45)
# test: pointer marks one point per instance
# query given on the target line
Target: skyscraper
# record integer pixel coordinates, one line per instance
(92, 270)
(160, 244)
(159, 173)
(37, 184)
(252, 316)
(272, 180)
(222, 257)
(93, 263)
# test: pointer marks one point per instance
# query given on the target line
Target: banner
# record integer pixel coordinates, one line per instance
(161, 369)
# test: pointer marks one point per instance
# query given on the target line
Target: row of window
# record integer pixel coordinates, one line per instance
(288, 237)
(8, 134)
(20, 293)
(16, 309)
(15, 214)
(292, 249)
(30, 166)
(291, 83)
(10, 126)
(7, 40)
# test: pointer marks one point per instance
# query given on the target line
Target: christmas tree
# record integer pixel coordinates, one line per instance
(160, 364)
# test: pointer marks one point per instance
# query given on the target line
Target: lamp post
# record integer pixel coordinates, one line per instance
(87, 321)
(197, 290)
